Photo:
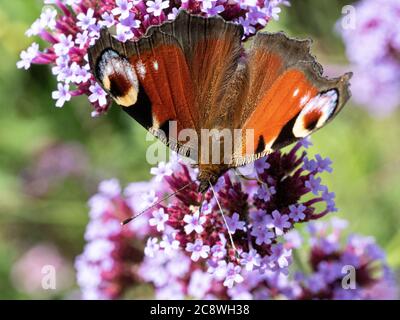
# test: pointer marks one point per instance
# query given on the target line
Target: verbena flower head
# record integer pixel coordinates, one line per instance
(70, 26)
(376, 82)
(107, 265)
(186, 241)
(257, 223)
(332, 257)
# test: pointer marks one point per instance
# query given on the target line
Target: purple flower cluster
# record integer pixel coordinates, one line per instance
(187, 245)
(71, 26)
(284, 189)
(176, 276)
(373, 47)
(330, 261)
(107, 265)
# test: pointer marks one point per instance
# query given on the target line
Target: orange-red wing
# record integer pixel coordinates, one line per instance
(282, 102)
(182, 69)
(287, 96)
(150, 79)
(269, 57)
(164, 75)
(212, 48)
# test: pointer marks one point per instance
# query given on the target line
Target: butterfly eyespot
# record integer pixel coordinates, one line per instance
(118, 77)
(315, 113)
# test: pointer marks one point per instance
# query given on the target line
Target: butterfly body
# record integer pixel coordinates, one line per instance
(193, 75)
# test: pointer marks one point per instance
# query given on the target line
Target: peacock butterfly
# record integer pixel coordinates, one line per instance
(194, 71)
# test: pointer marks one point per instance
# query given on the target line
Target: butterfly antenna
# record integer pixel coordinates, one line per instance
(157, 203)
(225, 222)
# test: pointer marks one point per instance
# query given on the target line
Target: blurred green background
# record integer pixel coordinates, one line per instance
(52, 159)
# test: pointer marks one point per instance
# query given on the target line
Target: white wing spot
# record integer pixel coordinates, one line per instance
(323, 103)
(141, 69)
(155, 65)
(296, 92)
(304, 100)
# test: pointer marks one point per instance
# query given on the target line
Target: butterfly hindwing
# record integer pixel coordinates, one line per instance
(288, 98)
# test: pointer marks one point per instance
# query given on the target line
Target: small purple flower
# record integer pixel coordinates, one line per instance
(262, 234)
(265, 192)
(250, 260)
(297, 212)
(259, 217)
(131, 22)
(85, 21)
(234, 223)
(159, 219)
(314, 184)
(306, 142)
(194, 222)
(207, 4)
(82, 39)
(217, 268)
(261, 165)
(233, 275)
(122, 9)
(156, 7)
(48, 18)
(34, 29)
(247, 3)
(108, 20)
(62, 94)
(214, 9)
(173, 14)
(98, 95)
(329, 198)
(310, 165)
(64, 45)
(280, 255)
(280, 222)
(169, 243)
(248, 27)
(275, 13)
(198, 250)
(152, 247)
(124, 33)
(324, 164)
(218, 251)
(163, 169)
(28, 56)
